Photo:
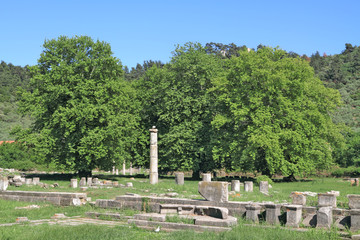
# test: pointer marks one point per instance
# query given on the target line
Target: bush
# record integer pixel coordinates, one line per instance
(263, 178)
(17, 155)
(346, 172)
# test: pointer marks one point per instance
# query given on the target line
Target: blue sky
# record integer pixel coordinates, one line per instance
(144, 30)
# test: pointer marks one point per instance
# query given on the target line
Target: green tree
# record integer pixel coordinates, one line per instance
(176, 100)
(273, 115)
(85, 113)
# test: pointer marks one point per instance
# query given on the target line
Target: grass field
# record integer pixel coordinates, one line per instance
(278, 193)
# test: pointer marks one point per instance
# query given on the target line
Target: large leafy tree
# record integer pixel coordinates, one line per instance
(85, 113)
(176, 99)
(273, 115)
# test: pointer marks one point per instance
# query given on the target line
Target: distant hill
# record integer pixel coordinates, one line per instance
(11, 78)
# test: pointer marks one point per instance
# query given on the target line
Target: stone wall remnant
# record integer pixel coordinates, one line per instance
(214, 191)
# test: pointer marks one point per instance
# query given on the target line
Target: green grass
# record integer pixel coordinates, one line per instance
(178, 219)
(90, 232)
(279, 193)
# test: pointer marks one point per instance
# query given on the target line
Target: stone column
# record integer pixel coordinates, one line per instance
(248, 186)
(113, 170)
(96, 181)
(264, 187)
(82, 182)
(153, 156)
(179, 178)
(36, 180)
(89, 181)
(206, 177)
(324, 217)
(131, 170)
(4, 183)
(116, 171)
(235, 185)
(124, 169)
(74, 183)
(354, 220)
(293, 215)
(272, 213)
(252, 212)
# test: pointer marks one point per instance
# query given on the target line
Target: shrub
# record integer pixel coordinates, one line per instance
(346, 172)
(17, 155)
(263, 178)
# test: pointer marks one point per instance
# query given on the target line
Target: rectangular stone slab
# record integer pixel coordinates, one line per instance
(214, 191)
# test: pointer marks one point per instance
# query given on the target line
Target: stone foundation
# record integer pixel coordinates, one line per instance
(57, 198)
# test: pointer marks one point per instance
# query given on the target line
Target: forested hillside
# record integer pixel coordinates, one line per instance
(342, 72)
(11, 78)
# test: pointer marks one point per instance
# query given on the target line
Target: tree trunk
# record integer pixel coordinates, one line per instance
(85, 173)
(196, 175)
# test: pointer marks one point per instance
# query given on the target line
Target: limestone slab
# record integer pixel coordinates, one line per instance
(326, 200)
(214, 191)
(324, 217)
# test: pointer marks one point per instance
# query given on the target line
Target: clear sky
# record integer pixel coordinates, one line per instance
(144, 30)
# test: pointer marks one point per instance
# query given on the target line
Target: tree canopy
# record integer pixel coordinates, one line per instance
(218, 106)
(84, 111)
(259, 111)
(273, 115)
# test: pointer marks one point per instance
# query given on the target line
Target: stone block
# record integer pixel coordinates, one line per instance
(206, 177)
(151, 217)
(177, 208)
(96, 181)
(208, 221)
(82, 182)
(342, 222)
(248, 186)
(179, 178)
(89, 181)
(326, 200)
(129, 184)
(252, 212)
(310, 220)
(73, 183)
(336, 193)
(324, 217)
(22, 219)
(354, 219)
(273, 212)
(354, 201)
(4, 183)
(28, 181)
(216, 212)
(214, 191)
(298, 198)
(76, 202)
(36, 180)
(235, 185)
(264, 187)
(293, 215)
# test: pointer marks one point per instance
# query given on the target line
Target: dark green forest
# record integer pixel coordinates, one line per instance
(216, 106)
